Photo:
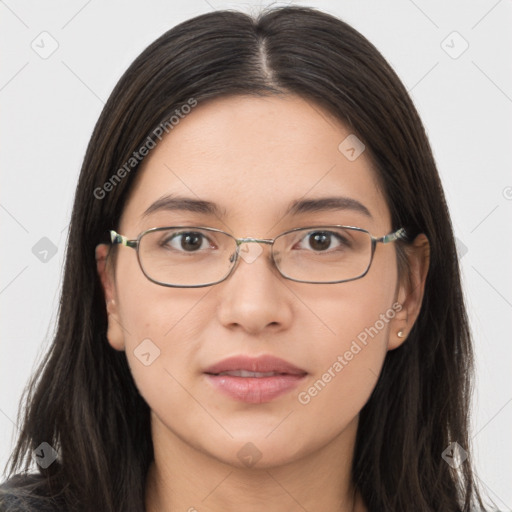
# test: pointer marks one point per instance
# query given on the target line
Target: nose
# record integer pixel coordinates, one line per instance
(254, 298)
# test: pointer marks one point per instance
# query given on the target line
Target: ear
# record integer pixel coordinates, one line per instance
(105, 270)
(410, 290)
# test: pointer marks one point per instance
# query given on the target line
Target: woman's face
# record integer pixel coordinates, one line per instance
(252, 157)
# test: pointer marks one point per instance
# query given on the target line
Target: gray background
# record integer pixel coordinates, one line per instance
(50, 105)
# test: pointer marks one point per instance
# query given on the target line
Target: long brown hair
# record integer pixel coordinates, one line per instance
(83, 400)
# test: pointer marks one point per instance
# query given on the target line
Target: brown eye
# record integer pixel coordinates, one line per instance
(321, 241)
(190, 241)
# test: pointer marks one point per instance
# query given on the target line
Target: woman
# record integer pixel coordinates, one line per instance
(261, 307)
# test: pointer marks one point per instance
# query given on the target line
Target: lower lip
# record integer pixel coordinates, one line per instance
(254, 390)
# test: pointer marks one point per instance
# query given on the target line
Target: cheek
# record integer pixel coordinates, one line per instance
(161, 328)
(149, 310)
(352, 346)
(347, 364)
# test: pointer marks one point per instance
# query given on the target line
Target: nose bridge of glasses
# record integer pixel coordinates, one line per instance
(250, 255)
(240, 241)
(253, 252)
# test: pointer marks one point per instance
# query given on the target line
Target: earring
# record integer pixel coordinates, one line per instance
(401, 334)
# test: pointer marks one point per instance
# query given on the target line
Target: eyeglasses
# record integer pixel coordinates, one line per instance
(193, 257)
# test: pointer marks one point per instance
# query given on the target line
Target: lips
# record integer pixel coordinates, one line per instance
(254, 380)
(262, 364)
(246, 373)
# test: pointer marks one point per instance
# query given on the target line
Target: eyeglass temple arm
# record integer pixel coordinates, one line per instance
(397, 235)
(116, 238)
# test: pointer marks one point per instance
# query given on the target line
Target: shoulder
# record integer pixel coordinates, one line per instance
(27, 493)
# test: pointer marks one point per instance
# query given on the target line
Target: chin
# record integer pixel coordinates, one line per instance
(258, 453)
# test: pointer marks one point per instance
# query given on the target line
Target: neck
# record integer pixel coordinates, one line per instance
(184, 478)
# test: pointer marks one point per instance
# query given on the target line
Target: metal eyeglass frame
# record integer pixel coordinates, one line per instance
(116, 238)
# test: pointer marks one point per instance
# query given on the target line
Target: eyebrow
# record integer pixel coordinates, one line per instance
(322, 204)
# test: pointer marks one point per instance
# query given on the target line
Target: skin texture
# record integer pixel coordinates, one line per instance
(253, 156)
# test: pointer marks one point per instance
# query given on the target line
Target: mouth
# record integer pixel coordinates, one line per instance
(254, 380)
(247, 373)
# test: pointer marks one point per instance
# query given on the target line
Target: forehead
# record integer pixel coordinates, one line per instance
(254, 157)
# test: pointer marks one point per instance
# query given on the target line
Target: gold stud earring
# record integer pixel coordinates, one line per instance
(401, 334)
